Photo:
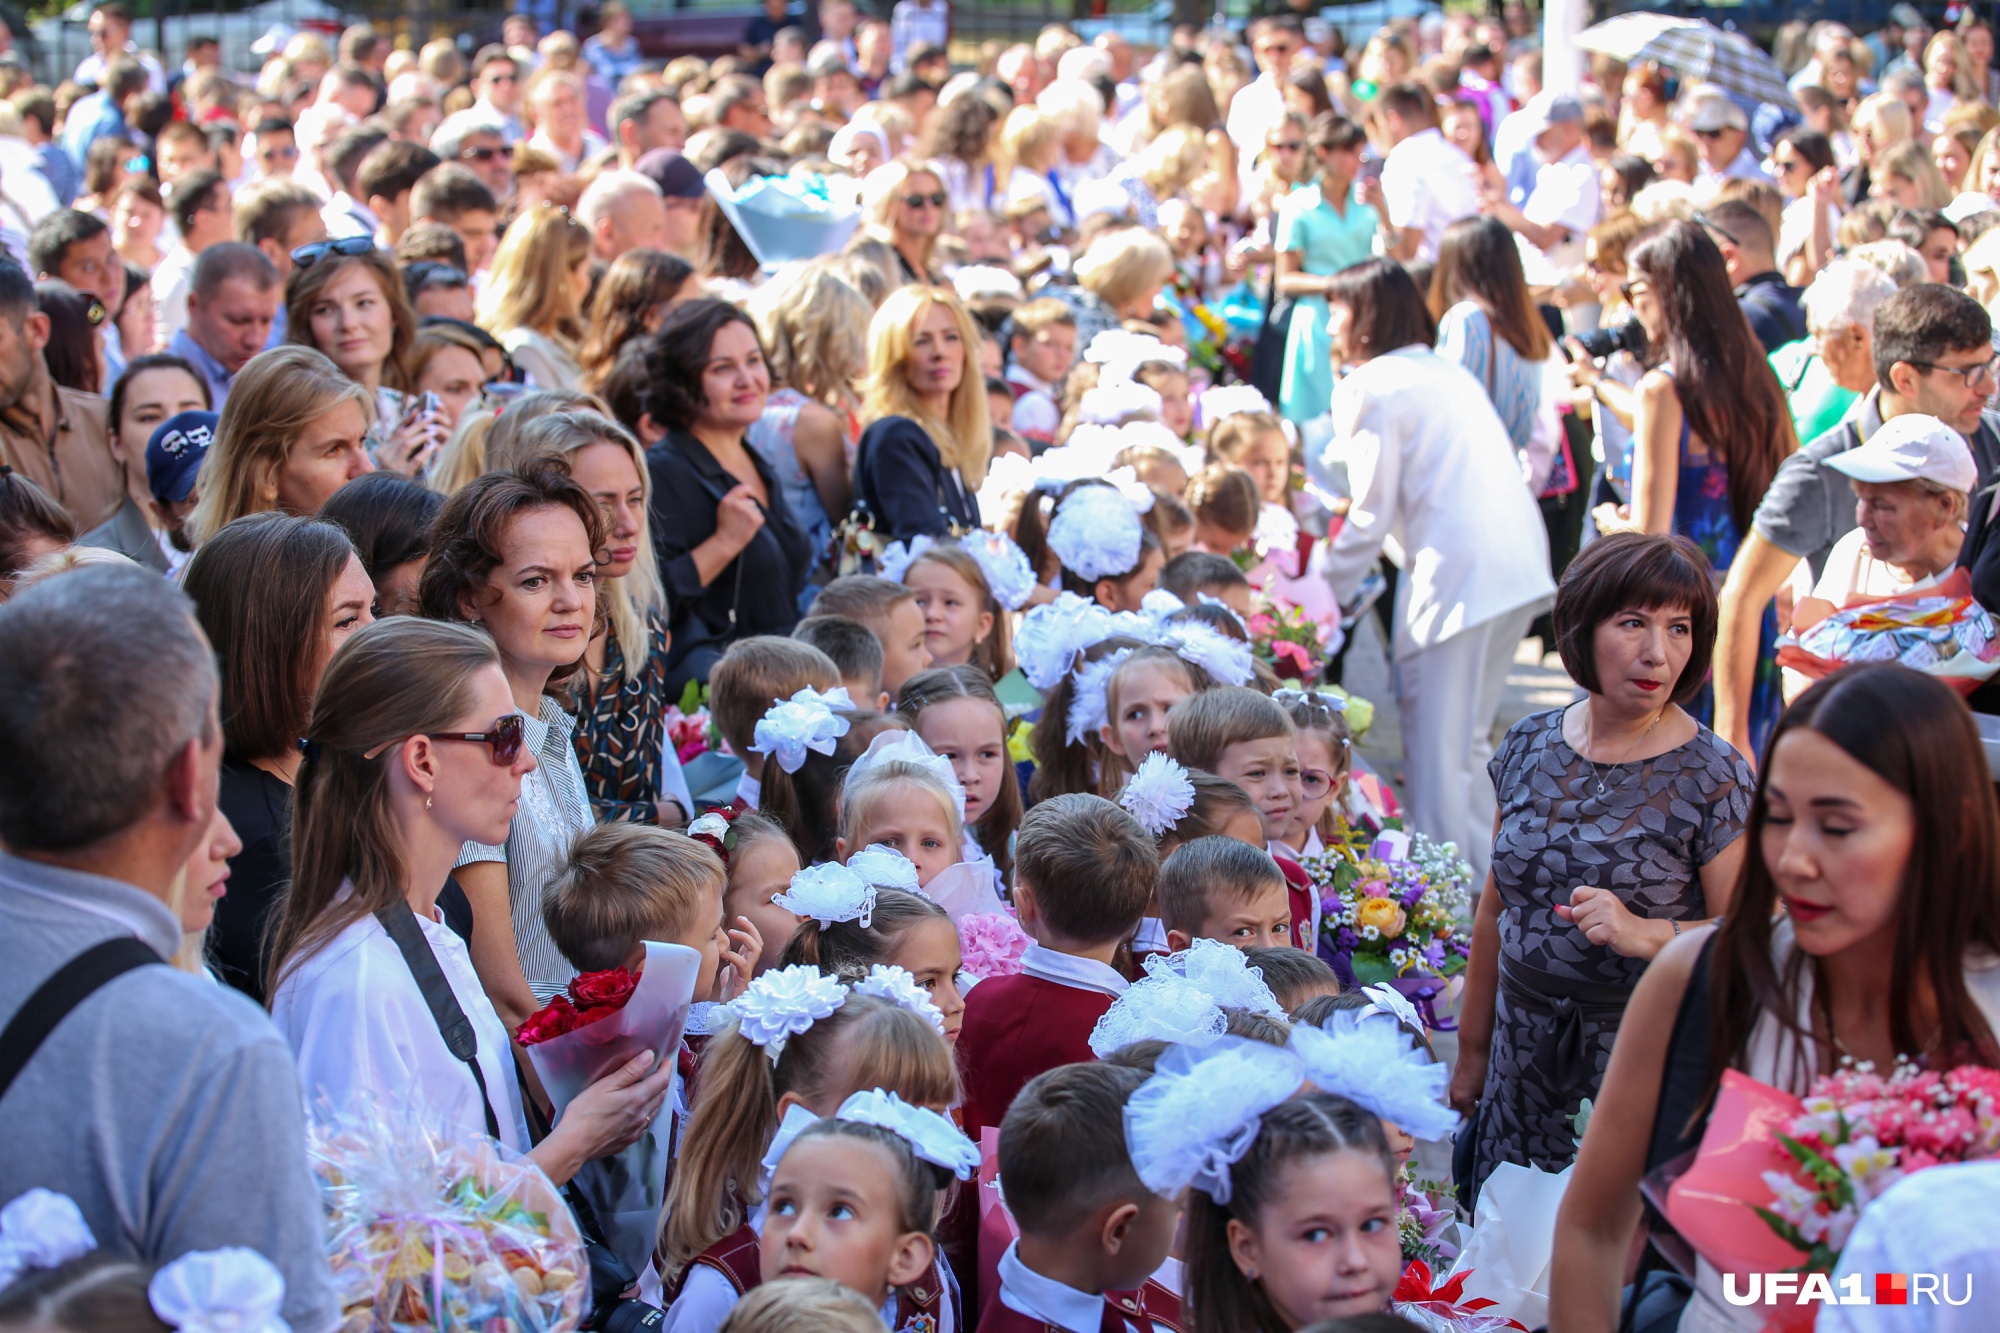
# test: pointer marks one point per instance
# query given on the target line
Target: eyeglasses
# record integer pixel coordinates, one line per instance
(1630, 289)
(1314, 783)
(1986, 371)
(505, 738)
(277, 154)
(1712, 225)
(1786, 164)
(936, 199)
(308, 255)
(480, 154)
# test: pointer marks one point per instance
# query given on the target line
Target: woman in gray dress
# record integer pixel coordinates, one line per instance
(1619, 826)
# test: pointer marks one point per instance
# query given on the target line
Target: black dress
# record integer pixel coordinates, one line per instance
(900, 478)
(756, 593)
(259, 807)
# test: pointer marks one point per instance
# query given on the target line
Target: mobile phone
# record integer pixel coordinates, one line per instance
(1371, 169)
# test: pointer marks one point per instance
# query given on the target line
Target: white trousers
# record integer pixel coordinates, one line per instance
(1449, 696)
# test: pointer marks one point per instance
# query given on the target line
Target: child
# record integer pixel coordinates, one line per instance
(1099, 541)
(742, 685)
(803, 1305)
(1171, 522)
(1170, 381)
(1041, 351)
(1091, 1232)
(1225, 505)
(1136, 699)
(1155, 467)
(1255, 443)
(1386, 1004)
(999, 403)
(1083, 765)
(903, 930)
(962, 618)
(1194, 574)
(906, 805)
(1221, 889)
(855, 653)
(761, 862)
(1220, 809)
(958, 715)
(94, 1292)
(855, 1198)
(1295, 976)
(1083, 876)
(1326, 756)
(806, 803)
(834, 1043)
(890, 612)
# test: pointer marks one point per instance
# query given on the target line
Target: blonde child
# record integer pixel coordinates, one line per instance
(1221, 889)
(1085, 764)
(1255, 443)
(904, 930)
(963, 620)
(905, 805)
(1326, 759)
(957, 714)
(761, 862)
(1154, 466)
(803, 1305)
(1170, 381)
(1225, 504)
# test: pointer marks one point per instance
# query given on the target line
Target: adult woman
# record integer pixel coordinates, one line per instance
(903, 203)
(1162, 170)
(388, 518)
(515, 553)
(1119, 277)
(136, 316)
(416, 752)
(445, 360)
(919, 463)
(1618, 828)
(1678, 157)
(729, 549)
(1975, 36)
(1621, 177)
(533, 299)
(960, 140)
(721, 254)
(138, 214)
(1906, 176)
(152, 389)
(1322, 229)
(1183, 98)
(277, 596)
(1710, 425)
(75, 349)
(1880, 123)
(814, 328)
(1944, 80)
(633, 296)
(348, 302)
(1610, 382)
(628, 761)
(1488, 323)
(292, 433)
(1874, 824)
(1803, 160)
(1465, 129)
(1404, 420)
(1840, 318)
(1645, 111)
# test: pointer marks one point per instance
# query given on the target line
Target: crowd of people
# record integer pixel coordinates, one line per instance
(458, 540)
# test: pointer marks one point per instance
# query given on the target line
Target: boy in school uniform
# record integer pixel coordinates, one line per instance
(1222, 889)
(754, 674)
(1040, 354)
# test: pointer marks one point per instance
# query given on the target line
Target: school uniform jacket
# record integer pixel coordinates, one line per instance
(1151, 1309)
(1020, 1026)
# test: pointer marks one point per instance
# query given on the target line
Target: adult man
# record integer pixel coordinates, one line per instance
(915, 23)
(231, 301)
(477, 140)
(1934, 356)
(55, 437)
(166, 1106)
(642, 121)
(77, 248)
(835, 90)
(200, 207)
(1722, 139)
(624, 212)
(37, 110)
(1260, 104)
(754, 47)
(1565, 202)
(347, 214)
(496, 89)
(556, 97)
(181, 149)
(274, 150)
(456, 197)
(1912, 482)
(277, 217)
(836, 24)
(737, 103)
(1749, 250)
(385, 180)
(873, 48)
(1428, 181)
(110, 29)
(681, 192)
(612, 52)
(101, 115)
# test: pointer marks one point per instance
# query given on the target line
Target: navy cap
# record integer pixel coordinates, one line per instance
(174, 454)
(677, 177)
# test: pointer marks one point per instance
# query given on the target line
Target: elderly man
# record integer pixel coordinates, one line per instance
(1826, 371)
(624, 212)
(1565, 201)
(644, 120)
(476, 140)
(1721, 132)
(166, 1106)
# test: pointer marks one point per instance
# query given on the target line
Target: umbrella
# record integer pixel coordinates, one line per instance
(1699, 52)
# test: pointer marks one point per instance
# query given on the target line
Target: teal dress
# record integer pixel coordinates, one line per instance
(1327, 242)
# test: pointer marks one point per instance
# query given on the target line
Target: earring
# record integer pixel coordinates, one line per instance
(427, 802)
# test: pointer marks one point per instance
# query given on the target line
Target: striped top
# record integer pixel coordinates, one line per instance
(1513, 383)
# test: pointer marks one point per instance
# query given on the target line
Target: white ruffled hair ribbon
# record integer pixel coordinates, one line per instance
(888, 982)
(1158, 1007)
(1199, 1113)
(1376, 1066)
(1087, 708)
(1121, 354)
(885, 868)
(1222, 973)
(1097, 533)
(907, 747)
(1225, 659)
(1387, 1000)
(805, 722)
(1009, 576)
(1228, 400)
(784, 1002)
(1052, 634)
(893, 560)
(828, 893)
(1158, 794)
(796, 1122)
(931, 1137)
(1116, 404)
(41, 1229)
(233, 1290)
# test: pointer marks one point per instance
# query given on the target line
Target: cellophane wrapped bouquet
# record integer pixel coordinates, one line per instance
(427, 1233)
(690, 729)
(1942, 633)
(1394, 913)
(1286, 641)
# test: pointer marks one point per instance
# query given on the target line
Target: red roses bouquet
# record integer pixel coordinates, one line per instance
(592, 996)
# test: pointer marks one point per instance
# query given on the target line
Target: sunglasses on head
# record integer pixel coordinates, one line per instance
(936, 199)
(308, 255)
(505, 739)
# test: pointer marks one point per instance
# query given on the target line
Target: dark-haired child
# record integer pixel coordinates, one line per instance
(1221, 889)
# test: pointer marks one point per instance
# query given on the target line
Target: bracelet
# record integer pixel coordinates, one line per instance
(1676, 925)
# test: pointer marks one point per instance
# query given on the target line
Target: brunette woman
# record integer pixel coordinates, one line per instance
(347, 302)
(1488, 323)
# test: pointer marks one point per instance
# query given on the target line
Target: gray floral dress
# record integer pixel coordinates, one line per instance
(1643, 830)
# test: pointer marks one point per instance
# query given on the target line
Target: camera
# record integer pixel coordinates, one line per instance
(610, 1309)
(1627, 337)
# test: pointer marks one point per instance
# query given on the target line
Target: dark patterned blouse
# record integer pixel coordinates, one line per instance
(621, 732)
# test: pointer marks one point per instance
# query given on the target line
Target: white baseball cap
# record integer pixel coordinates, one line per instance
(1911, 448)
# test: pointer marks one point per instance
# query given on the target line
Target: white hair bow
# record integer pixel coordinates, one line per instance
(1225, 659)
(805, 722)
(1097, 533)
(828, 893)
(1052, 634)
(233, 1290)
(907, 747)
(41, 1229)
(1159, 794)
(784, 1002)
(1087, 701)
(1009, 576)
(1199, 1113)
(884, 868)
(931, 1137)
(1376, 1066)
(1221, 972)
(900, 988)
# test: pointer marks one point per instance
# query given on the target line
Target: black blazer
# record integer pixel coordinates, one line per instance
(900, 479)
(756, 593)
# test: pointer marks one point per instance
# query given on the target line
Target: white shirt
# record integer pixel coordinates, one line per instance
(170, 284)
(347, 216)
(1707, 180)
(593, 144)
(706, 1296)
(1941, 102)
(1430, 466)
(1067, 969)
(1429, 183)
(1027, 1292)
(1036, 414)
(360, 1028)
(1257, 107)
(91, 69)
(1567, 195)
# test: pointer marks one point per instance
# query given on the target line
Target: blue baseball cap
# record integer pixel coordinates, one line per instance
(174, 454)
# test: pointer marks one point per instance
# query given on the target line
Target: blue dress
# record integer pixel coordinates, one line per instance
(1327, 242)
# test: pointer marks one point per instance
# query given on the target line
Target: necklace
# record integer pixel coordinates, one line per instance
(1590, 740)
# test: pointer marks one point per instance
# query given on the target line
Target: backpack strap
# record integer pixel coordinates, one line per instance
(70, 985)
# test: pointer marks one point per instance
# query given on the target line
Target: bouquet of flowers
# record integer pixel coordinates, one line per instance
(690, 729)
(1443, 1307)
(1400, 911)
(1940, 631)
(1284, 640)
(1424, 1221)
(991, 944)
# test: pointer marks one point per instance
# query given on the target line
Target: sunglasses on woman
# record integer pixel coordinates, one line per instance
(308, 255)
(505, 738)
(937, 199)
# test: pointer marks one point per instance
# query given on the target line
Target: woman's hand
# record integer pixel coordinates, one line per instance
(1468, 1081)
(408, 452)
(1583, 369)
(1604, 919)
(739, 517)
(607, 1116)
(739, 961)
(1613, 518)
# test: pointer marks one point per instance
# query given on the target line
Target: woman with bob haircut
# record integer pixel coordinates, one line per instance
(293, 431)
(1874, 829)
(516, 553)
(904, 203)
(533, 299)
(923, 455)
(1437, 467)
(351, 305)
(1619, 829)
(730, 550)
(277, 596)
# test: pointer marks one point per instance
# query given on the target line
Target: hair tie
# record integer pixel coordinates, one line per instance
(716, 829)
(1051, 636)
(1376, 1066)
(1159, 794)
(885, 868)
(1009, 576)
(899, 988)
(908, 748)
(829, 893)
(1225, 659)
(1199, 1113)
(1087, 703)
(895, 559)
(1096, 533)
(1221, 972)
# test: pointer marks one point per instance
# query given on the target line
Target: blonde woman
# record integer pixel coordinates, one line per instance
(814, 325)
(1184, 99)
(1907, 176)
(1030, 143)
(904, 204)
(1163, 169)
(484, 428)
(923, 455)
(533, 301)
(293, 432)
(1120, 277)
(1880, 123)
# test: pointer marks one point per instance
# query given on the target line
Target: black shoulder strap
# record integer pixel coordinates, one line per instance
(72, 984)
(456, 1029)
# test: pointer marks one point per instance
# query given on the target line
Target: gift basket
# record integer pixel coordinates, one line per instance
(1939, 631)
(429, 1233)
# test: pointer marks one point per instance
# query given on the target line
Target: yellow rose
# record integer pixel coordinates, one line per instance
(1385, 914)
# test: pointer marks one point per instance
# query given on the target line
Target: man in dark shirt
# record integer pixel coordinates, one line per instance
(758, 32)
(1744, 238)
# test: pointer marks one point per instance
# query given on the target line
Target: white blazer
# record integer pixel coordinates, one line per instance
(1430, 468)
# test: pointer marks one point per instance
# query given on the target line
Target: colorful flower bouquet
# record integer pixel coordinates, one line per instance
(1401, 914)
(1433, 1305)
(1940, 631)
(690, 729)
(1284, 640)
(1425, 1221)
